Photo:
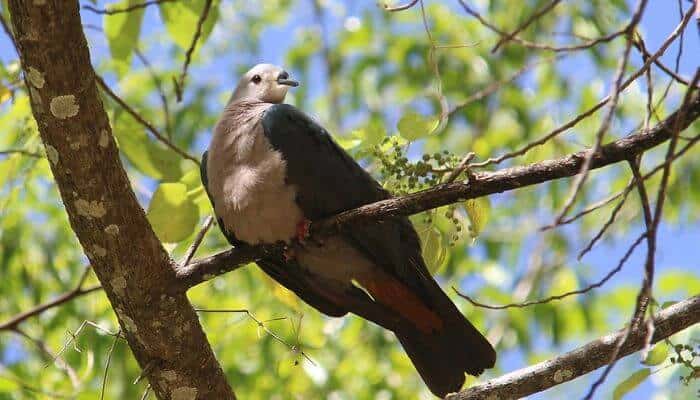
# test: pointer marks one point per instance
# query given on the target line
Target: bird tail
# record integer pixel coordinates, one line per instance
(443, 356)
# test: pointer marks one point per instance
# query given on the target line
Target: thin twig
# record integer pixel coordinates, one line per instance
(593, 207)
(461, 167)
(330, 64)
(495, 86)
(68, 296)
(74, 336)
(650, 93)
(624, 193)
(583, 360)
(60, 362)
(145, 371)
(433, 61)
(573, 122)
(261, 325)
(27, 153)
(143, 121)
(197, 241)
(133, 7)
(606, 225)
(535, 16)
(146, 392)
(161, 91)
(587, 289)
(180, 83)
(644, 295)
(109, 361)
(638, 44)
(400, 7)
(647, 283)
(607, 118)
(532, 45)
(677, 63)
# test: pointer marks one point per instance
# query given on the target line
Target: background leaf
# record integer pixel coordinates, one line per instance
(478, 211)
(413, 126)
(630, 383)
(122, 31)
(172, 213)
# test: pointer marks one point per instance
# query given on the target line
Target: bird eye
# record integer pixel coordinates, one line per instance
(256, 79)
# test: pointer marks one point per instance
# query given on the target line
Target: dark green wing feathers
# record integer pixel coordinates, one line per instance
(329, 181)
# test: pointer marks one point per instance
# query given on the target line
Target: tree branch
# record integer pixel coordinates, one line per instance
(131, 264)
(585, 359)
(481, 184)
(64, 298)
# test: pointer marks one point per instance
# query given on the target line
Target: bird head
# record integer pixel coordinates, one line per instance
(264, 82)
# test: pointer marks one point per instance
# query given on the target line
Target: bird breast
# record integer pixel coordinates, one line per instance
(247, 181)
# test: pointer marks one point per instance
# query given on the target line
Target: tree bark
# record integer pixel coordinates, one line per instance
(578, 362)
(161, 326)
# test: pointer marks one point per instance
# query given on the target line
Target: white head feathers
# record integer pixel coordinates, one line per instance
(264, 82)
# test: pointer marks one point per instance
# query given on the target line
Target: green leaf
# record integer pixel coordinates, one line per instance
(172, 213)
(414, 126)
(147, 156)
(478, 211)
(434, 250)
(351, 141)
(122, 30)
(192, 179)
(657, 355)
(181, 19)
(4, 93)
(369, 136)
(630, 383)
(374, 133)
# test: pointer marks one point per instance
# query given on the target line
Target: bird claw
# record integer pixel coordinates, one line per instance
(303, 230)
(289, 253)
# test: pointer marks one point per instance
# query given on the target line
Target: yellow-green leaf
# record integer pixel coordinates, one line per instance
(122, 30)
(434, 250)
(192, 179)
(657, 355)
(478, 211)
(172, 213)
(181, 19)
(4, 93)
(414, 126)
(630, 383)
(147, 156)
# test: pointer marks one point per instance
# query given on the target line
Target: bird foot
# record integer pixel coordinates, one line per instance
(303, 230)
(289, 253)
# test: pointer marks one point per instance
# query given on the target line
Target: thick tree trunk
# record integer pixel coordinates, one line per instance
(161, 326)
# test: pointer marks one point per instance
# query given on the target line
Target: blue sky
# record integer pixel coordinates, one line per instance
(675, 243)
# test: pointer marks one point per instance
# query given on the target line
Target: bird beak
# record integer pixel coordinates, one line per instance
(288, 82)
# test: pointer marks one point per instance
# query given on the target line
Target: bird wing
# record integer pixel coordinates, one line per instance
(329, 181)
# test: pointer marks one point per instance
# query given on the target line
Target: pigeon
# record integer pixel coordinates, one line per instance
(270, 171)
